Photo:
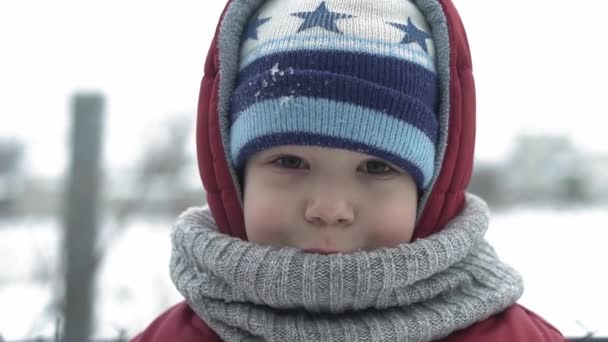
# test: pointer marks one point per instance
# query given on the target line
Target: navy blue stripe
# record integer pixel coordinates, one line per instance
(390, 72)
(339, 88)
(307, 139)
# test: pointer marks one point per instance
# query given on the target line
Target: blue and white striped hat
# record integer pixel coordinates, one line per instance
(352, 74)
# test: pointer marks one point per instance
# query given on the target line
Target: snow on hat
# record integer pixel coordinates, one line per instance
(351, 74)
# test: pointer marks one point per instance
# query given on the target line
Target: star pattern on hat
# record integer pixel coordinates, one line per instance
(321, 17)
(413, 34)
(252, 28)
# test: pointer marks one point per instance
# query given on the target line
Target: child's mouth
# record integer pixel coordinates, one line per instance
(321, 251)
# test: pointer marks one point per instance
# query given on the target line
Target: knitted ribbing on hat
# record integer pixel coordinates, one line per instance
(419, 291)
(351, 74)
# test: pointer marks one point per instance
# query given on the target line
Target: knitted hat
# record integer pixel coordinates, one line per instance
(351, 74)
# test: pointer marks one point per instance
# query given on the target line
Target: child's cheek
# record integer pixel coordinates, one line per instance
(264, 222)
(391, 235)
(393, 224)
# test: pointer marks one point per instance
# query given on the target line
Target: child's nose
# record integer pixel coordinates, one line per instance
(330, 211)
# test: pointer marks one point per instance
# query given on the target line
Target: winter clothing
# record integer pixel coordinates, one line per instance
(368, 85)
(415, 292)
(204, 267)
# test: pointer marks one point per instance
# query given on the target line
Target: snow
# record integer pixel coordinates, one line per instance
(559, 252)
(562, 255)
(22, 310)
(274, 70)
(133, 284)
(284, 100)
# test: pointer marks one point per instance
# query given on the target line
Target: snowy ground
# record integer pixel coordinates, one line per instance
(561, 254)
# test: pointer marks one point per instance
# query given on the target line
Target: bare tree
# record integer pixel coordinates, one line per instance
(164, 158)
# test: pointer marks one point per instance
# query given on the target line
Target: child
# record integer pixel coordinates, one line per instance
(335, 142)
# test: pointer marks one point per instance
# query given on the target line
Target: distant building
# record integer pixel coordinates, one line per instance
(546, 168)
(598, 178)
(488, 182)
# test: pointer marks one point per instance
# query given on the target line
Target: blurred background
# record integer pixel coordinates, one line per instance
(99, 98)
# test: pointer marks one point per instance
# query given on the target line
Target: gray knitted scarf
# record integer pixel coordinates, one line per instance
(420, 291)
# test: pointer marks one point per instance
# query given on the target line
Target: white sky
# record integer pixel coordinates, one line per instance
(538, 67)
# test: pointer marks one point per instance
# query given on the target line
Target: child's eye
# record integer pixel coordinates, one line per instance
(377, 167)
(288, 162)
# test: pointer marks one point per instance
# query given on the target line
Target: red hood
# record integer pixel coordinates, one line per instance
(440, 204)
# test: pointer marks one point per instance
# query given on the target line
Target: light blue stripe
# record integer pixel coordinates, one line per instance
(334, 119)
(354, 44)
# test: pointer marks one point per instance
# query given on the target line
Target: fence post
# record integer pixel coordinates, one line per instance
(81, 215)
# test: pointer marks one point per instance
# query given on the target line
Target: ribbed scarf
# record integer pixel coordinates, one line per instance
(420, 291)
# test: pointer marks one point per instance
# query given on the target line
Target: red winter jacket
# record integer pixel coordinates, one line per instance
(515, 324)
(180, 323)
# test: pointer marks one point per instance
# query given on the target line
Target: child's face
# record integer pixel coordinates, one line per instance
(329, 200)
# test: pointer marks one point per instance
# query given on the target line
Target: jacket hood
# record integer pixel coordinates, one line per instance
(443, 199)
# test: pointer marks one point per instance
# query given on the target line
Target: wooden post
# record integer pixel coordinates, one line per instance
(82, 215)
